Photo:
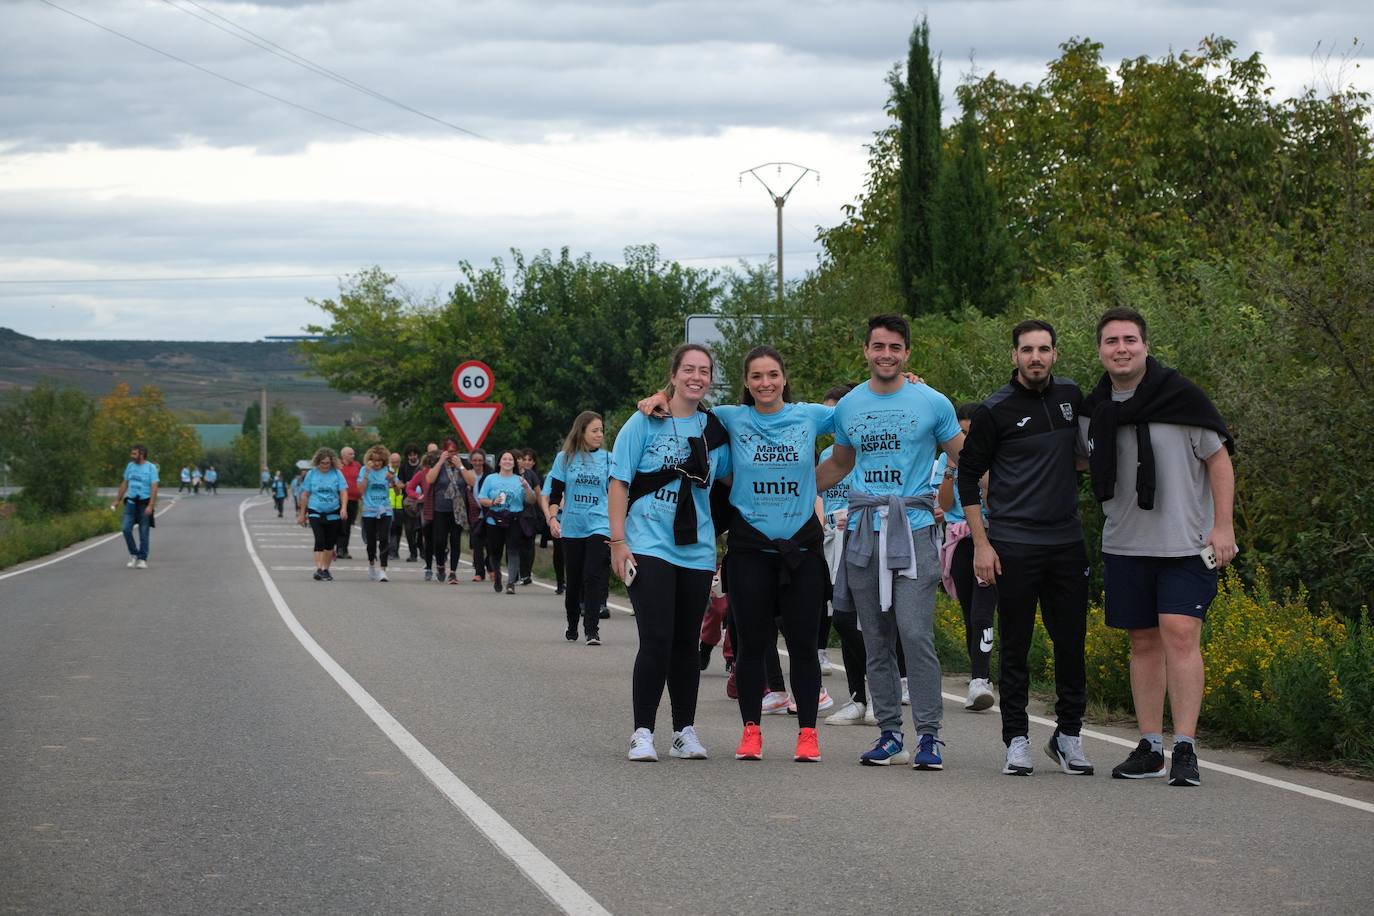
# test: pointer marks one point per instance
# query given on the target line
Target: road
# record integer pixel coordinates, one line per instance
(221, 734)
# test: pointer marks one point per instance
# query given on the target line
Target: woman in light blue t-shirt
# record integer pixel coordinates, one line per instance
(325, 500)
(375, 484)
(503, 495)
(663, 543)
(574, 502)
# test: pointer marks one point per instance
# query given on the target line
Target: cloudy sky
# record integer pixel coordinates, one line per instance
(195, 169)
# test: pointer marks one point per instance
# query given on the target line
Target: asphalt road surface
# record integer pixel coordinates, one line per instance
(221, 734)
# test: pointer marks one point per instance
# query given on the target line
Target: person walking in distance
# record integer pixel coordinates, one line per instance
(278, 493)
(663, 545)
(421, 495)
(1160, 456)
(138, 495)
(887, 433)
(375, 484)
(1025, 438)
(448, 482)
(574, 504)
(503, 495)
(410, 510)
(324, 502)
(212, 479)
(349, 468)
(397, 497)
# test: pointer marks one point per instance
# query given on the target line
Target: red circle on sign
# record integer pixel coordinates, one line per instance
(473, 380)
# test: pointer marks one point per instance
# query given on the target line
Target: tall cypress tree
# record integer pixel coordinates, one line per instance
(972, 249)
(918, 149)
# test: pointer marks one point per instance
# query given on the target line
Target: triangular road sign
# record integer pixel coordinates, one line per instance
(473, 421)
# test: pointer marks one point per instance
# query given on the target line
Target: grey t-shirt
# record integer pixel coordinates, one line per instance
(1183, 514)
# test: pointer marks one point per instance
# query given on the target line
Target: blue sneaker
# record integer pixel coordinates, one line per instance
(886, 750)
(928, 754)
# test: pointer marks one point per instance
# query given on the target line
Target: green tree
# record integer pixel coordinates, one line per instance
(252, 418)
(123, 418)
(972, 252)
(43, 429)
(286, 444)
(918, 149)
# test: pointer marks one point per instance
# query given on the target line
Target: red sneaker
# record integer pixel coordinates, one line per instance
(808, 746)
(751, 745)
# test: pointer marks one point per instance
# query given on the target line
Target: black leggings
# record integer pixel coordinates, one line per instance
(346, 526)
(448, 539)
(756, 598)
(377, 537)
(669, 602)
(560, 564)
(326, 532)
(477, 541)
(527, 553)
(508, 540)
(426, 531)
(587, 580)
(853, 652)
(772, 661)
(979, 604)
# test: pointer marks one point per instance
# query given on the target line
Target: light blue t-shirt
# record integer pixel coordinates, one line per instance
(515, 494)
(585, 481)
(647, 444)
(140, 478)
(375, 490)
(773, 459)
(324, 490)
(837, 497)
(278, 487)
(954, 513)
(895, 438)
(212, 475)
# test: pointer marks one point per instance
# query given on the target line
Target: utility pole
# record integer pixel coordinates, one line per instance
(262, 431)
(779, 199)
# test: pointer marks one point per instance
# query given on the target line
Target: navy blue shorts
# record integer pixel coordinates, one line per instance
(1139, 589)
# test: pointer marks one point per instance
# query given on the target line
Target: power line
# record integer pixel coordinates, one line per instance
(276, 98)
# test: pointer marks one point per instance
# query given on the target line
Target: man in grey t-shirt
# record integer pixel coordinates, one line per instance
(1167, 487)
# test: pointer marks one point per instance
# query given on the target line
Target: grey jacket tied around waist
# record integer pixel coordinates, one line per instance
(861, 540)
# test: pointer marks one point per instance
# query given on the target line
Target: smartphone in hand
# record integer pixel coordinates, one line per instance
(630, 571)
(1209, 556)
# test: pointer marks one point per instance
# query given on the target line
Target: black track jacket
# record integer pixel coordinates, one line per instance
(1028, 439)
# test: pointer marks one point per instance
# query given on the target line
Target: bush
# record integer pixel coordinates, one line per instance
(27, 540)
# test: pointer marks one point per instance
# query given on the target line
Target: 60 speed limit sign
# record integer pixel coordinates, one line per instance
(472, 381)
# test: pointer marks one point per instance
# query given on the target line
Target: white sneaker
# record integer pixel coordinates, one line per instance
(775, 703)
(870, 717)
(850, 714)
(827, 669)
(686, 746)
(133, 560)
(381, 576)
(1019, 758)
(823, 702)
(906, 694)
(979, 694)
(141, 564)
(372, 574)
(642, 745)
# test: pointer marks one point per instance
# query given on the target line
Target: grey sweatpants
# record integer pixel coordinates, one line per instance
(913, 617)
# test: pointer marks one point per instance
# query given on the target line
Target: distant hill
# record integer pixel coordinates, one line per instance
(198, 378)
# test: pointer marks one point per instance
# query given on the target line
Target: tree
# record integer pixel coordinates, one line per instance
(918, 147)
(45, 430)
(252, 418)
(123, 419)
(972, 253)
(286, 443)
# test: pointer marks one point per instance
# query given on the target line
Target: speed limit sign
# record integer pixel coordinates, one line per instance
(473, 380)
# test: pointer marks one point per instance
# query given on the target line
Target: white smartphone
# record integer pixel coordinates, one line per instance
(1209, 556)
(630, 572)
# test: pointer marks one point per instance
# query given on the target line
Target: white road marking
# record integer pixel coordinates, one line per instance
(562, 890)
(71, 553)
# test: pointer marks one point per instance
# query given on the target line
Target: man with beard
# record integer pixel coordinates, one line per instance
(1025, 436)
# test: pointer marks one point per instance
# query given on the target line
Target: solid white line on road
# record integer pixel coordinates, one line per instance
(565, 893)
(71, 553)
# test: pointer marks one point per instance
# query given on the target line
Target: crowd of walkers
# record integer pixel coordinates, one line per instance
(728, 526)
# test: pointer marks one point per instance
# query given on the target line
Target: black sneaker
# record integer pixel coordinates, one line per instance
(411, 558)
(527, 581)
(496, 581)
(704, 655)
(510, 589)
(570, 634)
(605, 613)
(324, 574)
(452, 578)
(1184, 770)
(560, 589)
(319, 576)
(1144, 763)
(343, 555)
(593, 639)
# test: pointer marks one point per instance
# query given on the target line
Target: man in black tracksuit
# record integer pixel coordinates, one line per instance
(1025, 435)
